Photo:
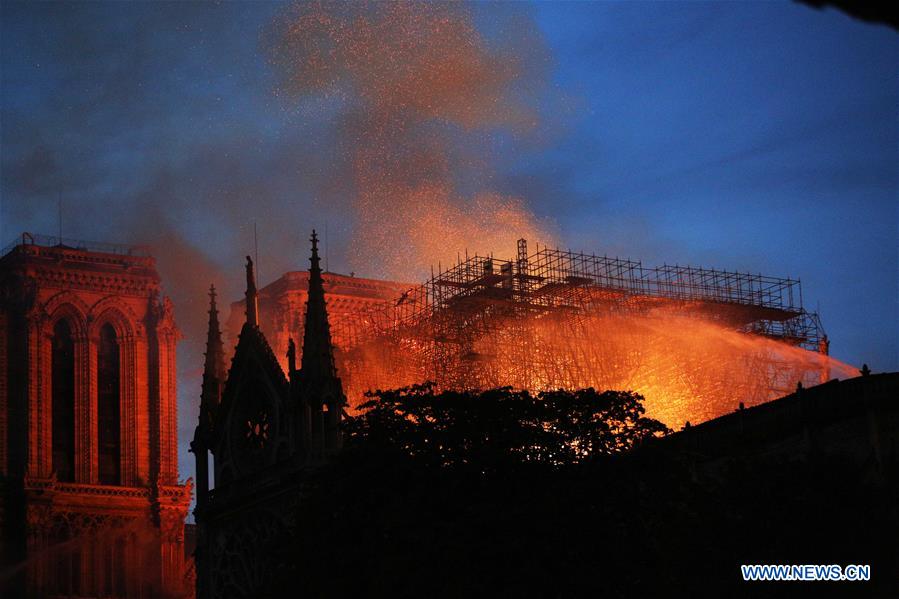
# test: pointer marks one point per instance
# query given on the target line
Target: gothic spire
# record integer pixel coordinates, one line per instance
(214, 367)
(215, 352)
(252, 301)
(318, 358)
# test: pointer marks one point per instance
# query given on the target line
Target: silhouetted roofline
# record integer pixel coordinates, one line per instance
(48, 241)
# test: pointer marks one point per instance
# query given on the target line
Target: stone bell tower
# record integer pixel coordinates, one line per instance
(91, 503)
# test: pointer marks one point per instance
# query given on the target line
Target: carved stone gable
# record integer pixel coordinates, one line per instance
(251, 424)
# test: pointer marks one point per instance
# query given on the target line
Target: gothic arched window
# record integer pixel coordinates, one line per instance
(108, 407)
(63, 400)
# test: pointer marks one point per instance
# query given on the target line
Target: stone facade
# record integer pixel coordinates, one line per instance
(266, 430)
(282, 306)
(91, 503)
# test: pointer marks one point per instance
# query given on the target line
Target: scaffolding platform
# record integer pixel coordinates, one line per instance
(562, 319)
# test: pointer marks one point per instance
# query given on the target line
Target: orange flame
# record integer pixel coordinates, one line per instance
(688, 369)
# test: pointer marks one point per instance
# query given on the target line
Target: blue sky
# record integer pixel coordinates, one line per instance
(760, 137)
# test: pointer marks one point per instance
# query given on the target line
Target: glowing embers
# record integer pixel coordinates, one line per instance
(416, 95)
(687, 368)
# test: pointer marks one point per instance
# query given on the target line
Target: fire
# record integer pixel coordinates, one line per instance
(416, 98)
(687, 368)
(695, 342)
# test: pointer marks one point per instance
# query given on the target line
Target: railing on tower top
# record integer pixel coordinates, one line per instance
(75, 244)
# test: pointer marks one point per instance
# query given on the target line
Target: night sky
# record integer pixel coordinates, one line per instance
(760, 137)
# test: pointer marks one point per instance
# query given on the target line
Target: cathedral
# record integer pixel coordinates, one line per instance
(90, 500)
(282, 308)
(262, 430)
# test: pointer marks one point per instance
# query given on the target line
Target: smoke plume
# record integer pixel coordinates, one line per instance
(420, 93)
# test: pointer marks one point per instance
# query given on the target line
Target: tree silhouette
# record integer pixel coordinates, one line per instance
(502, 428)
(567, 494)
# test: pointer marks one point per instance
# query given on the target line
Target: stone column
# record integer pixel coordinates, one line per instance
(164, 392)
(85, 443)
(37, 522)
(40, 433)
(168, 408)
(171, 531)
(128, 410)
(93, 426)
(140, 420)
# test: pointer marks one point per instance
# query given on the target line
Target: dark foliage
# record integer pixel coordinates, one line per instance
(471, 499)
(501, 428)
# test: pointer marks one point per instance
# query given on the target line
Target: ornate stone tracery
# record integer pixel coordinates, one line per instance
(113, 540)
(240, 557)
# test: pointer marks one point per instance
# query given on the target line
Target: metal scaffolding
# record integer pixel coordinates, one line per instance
(561, 319)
